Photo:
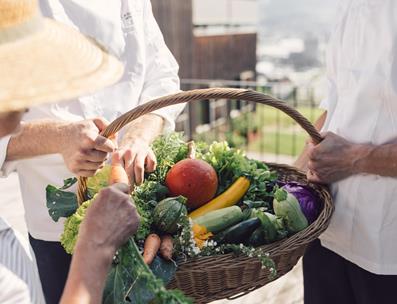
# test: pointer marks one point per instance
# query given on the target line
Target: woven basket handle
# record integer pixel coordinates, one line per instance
(198, 95)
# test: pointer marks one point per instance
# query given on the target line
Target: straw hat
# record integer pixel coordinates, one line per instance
(42, 60)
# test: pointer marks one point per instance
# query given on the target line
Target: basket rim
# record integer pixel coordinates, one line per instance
(292, 242)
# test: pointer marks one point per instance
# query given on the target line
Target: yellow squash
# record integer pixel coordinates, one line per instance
(228, 198)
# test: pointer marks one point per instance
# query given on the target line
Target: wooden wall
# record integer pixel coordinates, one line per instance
(224, 56)
(175, 20)
(203, 57)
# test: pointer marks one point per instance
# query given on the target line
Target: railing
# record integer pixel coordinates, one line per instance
(258, 129)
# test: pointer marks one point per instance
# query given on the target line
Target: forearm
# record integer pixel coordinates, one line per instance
(145, 128)
(303, 159)
(87, 275)
(376, 159)
(35, 139)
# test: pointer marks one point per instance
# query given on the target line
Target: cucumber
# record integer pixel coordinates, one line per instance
(218, 220)
(238, 233)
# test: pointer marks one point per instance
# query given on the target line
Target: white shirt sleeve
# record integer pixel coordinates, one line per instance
(19, 277)
(5, 167)
(162, 71)
(329, 102)
(12, 288)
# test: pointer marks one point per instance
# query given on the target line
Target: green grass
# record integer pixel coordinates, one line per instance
(281, 144)
(279, 134)
(271, 116)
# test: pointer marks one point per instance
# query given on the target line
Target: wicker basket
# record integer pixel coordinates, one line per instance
(226, 276)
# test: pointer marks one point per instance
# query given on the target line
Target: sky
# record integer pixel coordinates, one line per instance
(291, 16)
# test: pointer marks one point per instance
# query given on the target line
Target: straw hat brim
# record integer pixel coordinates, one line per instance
(53, 64)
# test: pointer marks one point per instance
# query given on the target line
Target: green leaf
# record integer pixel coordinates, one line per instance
(120, 277)
(256, 204)
(98, 181)
(61, 203)
(132, 281)
(162, 269)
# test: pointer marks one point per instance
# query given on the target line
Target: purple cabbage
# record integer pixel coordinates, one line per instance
(308, 199)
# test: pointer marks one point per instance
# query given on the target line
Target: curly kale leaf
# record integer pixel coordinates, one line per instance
(145, 198)
(169, 149)
(71, 228)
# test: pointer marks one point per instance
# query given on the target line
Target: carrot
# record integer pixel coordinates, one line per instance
(166, 247)
(191, 154)
(151, 247)
(117, 171)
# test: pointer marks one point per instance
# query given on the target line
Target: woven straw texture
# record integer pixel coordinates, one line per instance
(13, 12)
(44, 61)
(226, 276)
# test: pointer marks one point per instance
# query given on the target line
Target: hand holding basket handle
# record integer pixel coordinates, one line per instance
(199, 95)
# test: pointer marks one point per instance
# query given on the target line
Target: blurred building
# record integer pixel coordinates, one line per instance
(210, 40)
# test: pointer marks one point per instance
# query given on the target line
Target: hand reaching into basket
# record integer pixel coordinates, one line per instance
(138, 157)
(135, 150)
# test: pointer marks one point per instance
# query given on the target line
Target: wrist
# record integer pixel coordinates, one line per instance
(361, 154)
(58, 131)
(134, 139)
(144, 129)
(93, 251)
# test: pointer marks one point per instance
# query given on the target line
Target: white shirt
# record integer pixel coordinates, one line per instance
(19, 278)
(362, 107)
(129, 30)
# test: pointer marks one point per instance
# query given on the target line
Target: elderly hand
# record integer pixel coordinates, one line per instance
(331, 160)
(83, 149)
(111, 219)
(138, 157)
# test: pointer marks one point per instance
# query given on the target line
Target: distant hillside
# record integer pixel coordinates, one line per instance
(296, 16)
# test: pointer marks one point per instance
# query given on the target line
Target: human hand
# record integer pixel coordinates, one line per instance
(138, 157)
(110, 220)
(83, 149)
(331, 160)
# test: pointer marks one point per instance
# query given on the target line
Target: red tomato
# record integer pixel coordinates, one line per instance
(194, 179)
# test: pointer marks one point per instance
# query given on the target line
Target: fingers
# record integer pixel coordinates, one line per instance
(127, 161)
(137, 161)
(100, 123)
(104, 144)
(96, 156)
(313, 177)
(117, 159)
(86, 173)
(90, 166)
(151, 162)
(122, 187)
(139, 168)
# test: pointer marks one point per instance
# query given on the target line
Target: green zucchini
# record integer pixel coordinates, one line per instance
(218, 220)
(238, 233)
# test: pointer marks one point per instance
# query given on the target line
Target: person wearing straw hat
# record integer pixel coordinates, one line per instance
(355, 260)
(60, 140)
(40, 62)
